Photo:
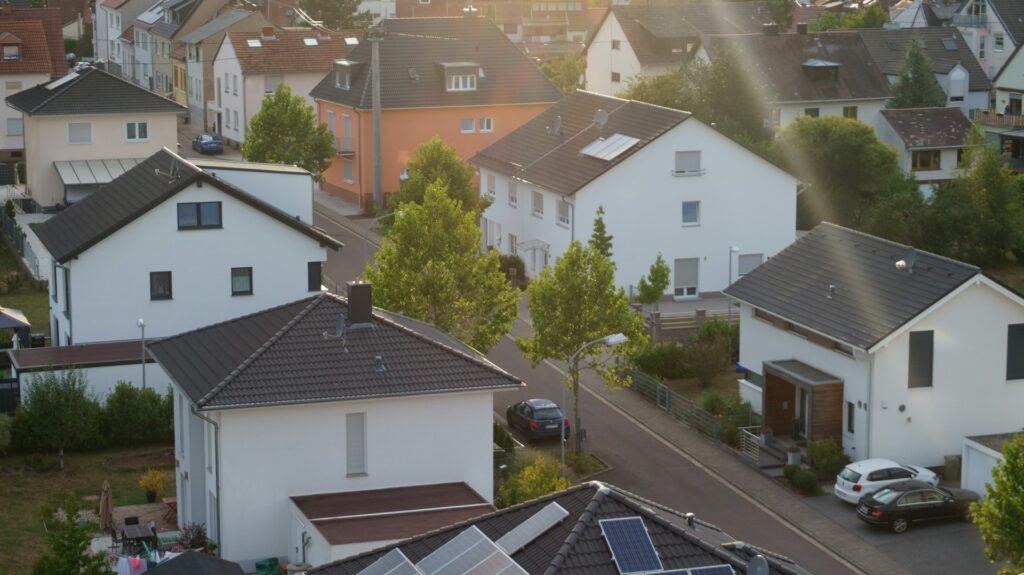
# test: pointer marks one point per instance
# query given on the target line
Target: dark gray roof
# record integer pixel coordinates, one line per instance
(995, 441)
(195, 563)
(889, 48)
(535, 154)
(575, 546)
(282, 356)
(182, 10)
(411, 55)
(1011, 13)
(929, 127)
(802, 371)
(871, 297)
(134, 193)
(778, 64)
(218, 24)
(92, 91)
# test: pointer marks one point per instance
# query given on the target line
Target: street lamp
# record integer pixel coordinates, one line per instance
(732, 250)
(142, 343)
(609, 340)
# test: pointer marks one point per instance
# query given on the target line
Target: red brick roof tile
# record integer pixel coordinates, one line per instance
(287, 51)
(35, 54)
(50, 20)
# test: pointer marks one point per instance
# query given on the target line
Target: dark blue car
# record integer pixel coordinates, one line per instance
(208, 144)
(537, 418)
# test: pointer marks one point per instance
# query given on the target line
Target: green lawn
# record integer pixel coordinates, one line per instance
(34, 303)
(725, 384)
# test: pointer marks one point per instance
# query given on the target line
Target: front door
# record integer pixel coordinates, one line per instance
(686, 273)
(805, 413)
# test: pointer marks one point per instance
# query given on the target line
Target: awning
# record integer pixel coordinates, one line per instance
(534, 245)
(12, 318)
(93, 172)
(1016, 134)
(799, 372)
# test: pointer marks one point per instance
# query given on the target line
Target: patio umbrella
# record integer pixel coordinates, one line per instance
(106, 507)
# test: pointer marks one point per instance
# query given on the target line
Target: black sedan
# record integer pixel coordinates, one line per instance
(537, 418)
(898, 505)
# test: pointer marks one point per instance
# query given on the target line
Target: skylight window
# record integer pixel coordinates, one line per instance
(609, 148)
(351, 41)
(254, 42)
(310, 42)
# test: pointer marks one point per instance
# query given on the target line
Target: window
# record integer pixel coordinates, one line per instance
(812, 112)
(136, 131)
(978, 8)
(237, 125)
(346, 170)
(15, 127)
(12, 53)
(79, 132)
(330, 121)
(513, 194)
(850, 412)
(850, 112)
(53, 281)
(234, 84)
(241, 281)
(922, 349)
(270, 84)
(1015, 351)
(981, 48)
(686, 276)
(513, 244)
(226, 90)
(616, 77)
(691, 213)
(775, 117)
(67, 292)
(342, 78)
(461, 82)
(538, 204)
(563, 213)
(227, 117)
(346, 131)
(616, 44)
(687, 163)
(355, 444)
(310, 42)
(208, 429)
(486, 125)
(12, 87)
(924, 160)
(490, 184)
(998, 42)
(960, 158)
(159, 285)
(746, 263)
(197, 215)
(466, 126)
(510, 28)
(313, 278)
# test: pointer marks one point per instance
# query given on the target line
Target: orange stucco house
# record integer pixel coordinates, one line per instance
(459, 78)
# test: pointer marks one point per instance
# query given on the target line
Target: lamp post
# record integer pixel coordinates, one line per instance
(732, 250)
(609, 340)
(142, 344)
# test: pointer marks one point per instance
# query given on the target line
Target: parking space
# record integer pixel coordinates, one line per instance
(187, 132)
(925, 548)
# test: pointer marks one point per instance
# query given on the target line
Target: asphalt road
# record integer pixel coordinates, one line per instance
(347, 263)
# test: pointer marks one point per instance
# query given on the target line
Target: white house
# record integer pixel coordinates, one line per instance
(84, 129)
(993, 29)
(929, 141)
(981, 454)
(27, 61)
(891, 351)
(179, 246)
(297, 426)
(248, 66)
(144, 44)
(668, 183)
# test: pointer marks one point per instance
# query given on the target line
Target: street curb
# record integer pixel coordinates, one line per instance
(326, 213)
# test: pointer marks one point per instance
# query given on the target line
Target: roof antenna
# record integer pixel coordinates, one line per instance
(600, 118)
(555, 129)
(340, 332)
(908, 261)
(172, 173)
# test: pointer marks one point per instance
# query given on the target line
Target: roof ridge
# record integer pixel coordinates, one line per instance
(226, 321)
(581, 524)
(897, 244)
(63, 88)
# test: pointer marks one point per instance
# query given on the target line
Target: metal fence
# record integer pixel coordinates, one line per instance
(10, 394)
(20, 242)
(750, 444)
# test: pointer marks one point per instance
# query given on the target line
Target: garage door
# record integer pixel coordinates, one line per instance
(976, 468)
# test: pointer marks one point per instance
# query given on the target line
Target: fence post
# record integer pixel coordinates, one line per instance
(699, 316)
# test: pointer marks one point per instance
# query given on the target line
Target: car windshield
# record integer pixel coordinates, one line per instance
(849, 475)
(547, 413)
(886, 495)
(909, 468)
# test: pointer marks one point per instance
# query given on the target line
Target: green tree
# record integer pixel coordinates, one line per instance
(337, 14)
(430, 267)
(576, 302)
(651, 287)
(136, 416)
(873, 16)
(600, 239)
(69, 547)
(435, 161)
(5, 434)
(541, 478)
(1000, 516)
(566, 72)
(916, 86)
(59, 413)
(781, 12)
(285, 131)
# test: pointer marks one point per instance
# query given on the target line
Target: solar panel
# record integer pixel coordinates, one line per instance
(394, 562)
(712, 570)
(950, 44)
(676, 572)
(609, 148)
(532, 528)
(469, 553)
(630, 544)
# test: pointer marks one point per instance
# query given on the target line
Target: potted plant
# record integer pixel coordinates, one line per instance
(152, 482)
(793, 455)
(193, 537)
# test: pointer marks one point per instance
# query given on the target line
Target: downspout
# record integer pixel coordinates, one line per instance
(216, 469)
(871, 407)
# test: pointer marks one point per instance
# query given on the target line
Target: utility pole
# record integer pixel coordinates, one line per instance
(375, 35)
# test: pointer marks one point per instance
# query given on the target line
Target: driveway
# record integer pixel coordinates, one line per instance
(925, 548)
(188, 132)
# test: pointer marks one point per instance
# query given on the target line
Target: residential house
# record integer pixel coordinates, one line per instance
(380, 9)
(863, 340)
(669, 184)
(179, 17)
(981, 454)
(545, 29)
(342, 392)
(171, 243)
(457, 78)
(584, 529)
(824, 74)
(26, 62)
(924, 13)
(88, 115)
(201, 46)
(993, 29)
(956, 69)
(930, 142)
(248, 66)
(75, 15)
(108, 24)
(144, 44)
(1004, 124)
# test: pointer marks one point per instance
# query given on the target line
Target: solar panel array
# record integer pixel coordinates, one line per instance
(712, 570)
(394, 562)
(609, 148)
(469, 553)
(631, 545)
(552, 514)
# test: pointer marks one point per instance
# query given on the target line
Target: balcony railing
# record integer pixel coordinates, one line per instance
(344, 146)
(971, 20)
(998, 119)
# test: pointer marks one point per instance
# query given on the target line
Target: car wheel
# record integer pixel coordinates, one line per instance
(899, 525)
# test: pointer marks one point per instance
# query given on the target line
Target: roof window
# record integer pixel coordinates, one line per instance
(311, 42)
(254, 42)
(821, 70)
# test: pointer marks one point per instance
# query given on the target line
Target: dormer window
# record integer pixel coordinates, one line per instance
(343, 71)
(461, 76)
(12, 53)
(461, 82)
(821, 70)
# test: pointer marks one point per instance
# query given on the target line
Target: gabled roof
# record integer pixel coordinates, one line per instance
(288, 52)
(576, 546)
(196, 563)
(845, 284)
(929, 127)
(889, 49)
(293, 354)
(536, 154)
(182, 9)
(137, 191)
(52, 27)
(778, 64)
(217, 24)
(34, 57)
(90, 91)
(1011, 14)
(412, 53)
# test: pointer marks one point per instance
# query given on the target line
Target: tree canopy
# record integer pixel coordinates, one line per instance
(600, 239)
(566, 72)
(337, 14)
(1000, 516)
(781, 12)
(430, 267)
(69, 547)
(916, 86)
(435, 161)
(59, 412)
(874, 16)
(652, 286)
(286, 131)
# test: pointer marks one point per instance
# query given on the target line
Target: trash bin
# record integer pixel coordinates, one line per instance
(267, 566)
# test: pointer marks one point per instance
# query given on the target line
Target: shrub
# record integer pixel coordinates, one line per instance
(533, 481)
(152, 481)
(664, 360)
(713, 402)
(805, 481)
(720, 330)
(827, 457)
(59, 413)
(20, 168)
(5, 433)
(14, 280)
(193, 536)
(511, 261)
(706, 359)
(9, 209)
(583, 464)
(790, 471)
(502, 438)
(135, 416)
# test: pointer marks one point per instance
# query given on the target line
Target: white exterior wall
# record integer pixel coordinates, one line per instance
(752, 208)
(17, 141)
(1011, 80)
(194, 71)
(602, 61)
(256, 518)
(108, 29)
(110, 280)
(868, 111)
(232, 101)
(144, 58)
(103, 379)
(379, 8)
(192, 435)
(290, 193)
(976, 466)
(976, 35)
(226, 61)
(969, 395)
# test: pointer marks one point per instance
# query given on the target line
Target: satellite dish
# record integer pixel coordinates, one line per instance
(173, 170)
(555, 128)
(757, 566)
(600, 118)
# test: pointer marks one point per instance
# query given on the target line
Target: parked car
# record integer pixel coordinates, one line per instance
(537, 418)
(207, 143)
(898, 505)
(869, 475)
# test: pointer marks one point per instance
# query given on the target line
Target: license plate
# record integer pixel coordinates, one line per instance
(552, 427)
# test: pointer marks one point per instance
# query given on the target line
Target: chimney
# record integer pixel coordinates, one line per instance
(801, 28)
(771, 29)
(360, 302)
(267, 32)
(7, 8)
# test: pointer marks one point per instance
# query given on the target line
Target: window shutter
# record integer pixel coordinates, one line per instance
(1015, 351)
(687, 162)
(79, 132)
(355, 441)
(747, 262)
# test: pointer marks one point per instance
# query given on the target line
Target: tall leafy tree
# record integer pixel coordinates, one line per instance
(916, 86)
(69, 547)
(652, 286)
(566, 72)
(874, 16)
(337, 14)
(59, 413)
(430, 267)
(286, 131)
(781, 12)
(1000, 516)
(574, 303)
(600, 239)
(435, 161)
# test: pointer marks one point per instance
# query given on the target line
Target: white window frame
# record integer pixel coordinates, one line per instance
(683, 214)
(347, 165)
(464, 122)
(538, 206)
(461, 82)
(686, 168)
(19, 130)
(490, 184)
(513, 244)
(355, 445)
(486, 125)
(137, 123)
(563, 219)
(81, 143)
(998, 42)
(513, 194)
